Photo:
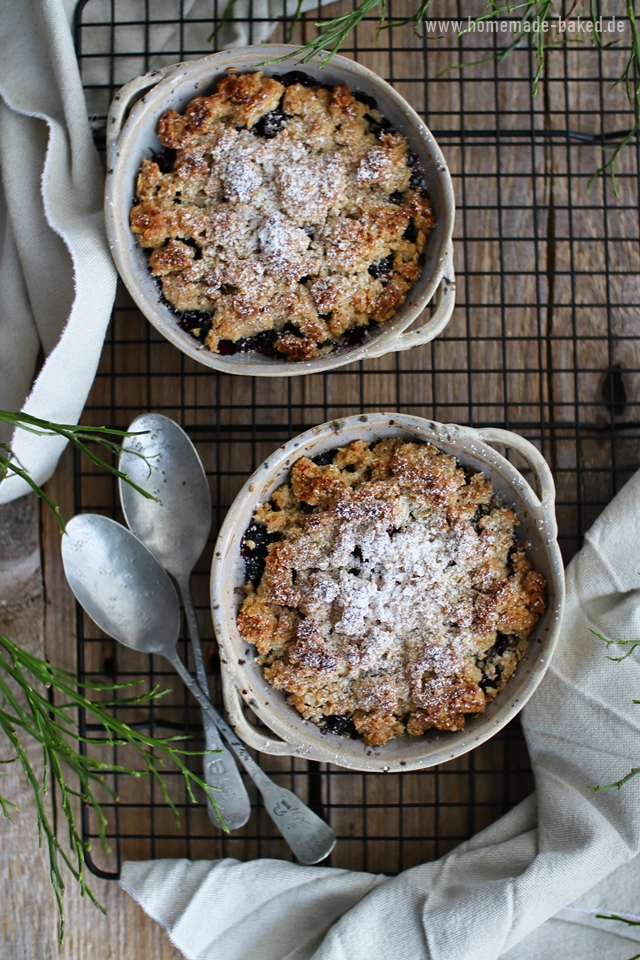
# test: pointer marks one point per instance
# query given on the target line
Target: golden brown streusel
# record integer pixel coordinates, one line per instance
(294, 212)
(391, 594)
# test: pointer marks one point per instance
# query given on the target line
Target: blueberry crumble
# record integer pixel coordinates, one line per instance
(281, 216)
(386, 590)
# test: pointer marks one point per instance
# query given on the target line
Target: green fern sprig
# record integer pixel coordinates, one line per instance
(532, 16)
(30, 714)
(631, 644)
(78, 436)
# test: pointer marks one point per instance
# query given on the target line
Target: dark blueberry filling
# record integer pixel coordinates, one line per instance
(165, 157)
(296, 76)
(190, 242)
(396, 197)
(410, 233)
(192, 319)
(254, 557)
(355, 336)
(417, 182)
(270, 124)
(378, 127)
(503, 642)
(189, 320)
(487, 683)
(324, 459)
(481, 511)
(340, 725)
(205, 326)
(382, 268)
(366, 99)
(262, 343)
(226, 348)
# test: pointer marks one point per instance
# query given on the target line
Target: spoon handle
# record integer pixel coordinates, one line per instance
(219, 770)
(310, 838)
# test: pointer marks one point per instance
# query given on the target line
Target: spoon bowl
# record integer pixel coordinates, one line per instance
(162, 460)
(121, 585)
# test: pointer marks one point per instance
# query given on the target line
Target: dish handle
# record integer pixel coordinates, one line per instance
(252, 736)
(545, 490)
(122, 103)
(445, 299)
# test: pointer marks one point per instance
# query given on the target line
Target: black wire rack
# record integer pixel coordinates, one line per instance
(544, 341)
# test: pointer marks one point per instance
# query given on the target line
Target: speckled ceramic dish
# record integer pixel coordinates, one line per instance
(132, 134)
(245, 686)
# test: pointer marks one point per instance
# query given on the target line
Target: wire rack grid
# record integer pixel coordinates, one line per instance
(544, 340)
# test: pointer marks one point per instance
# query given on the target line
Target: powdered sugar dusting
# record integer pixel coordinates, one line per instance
(300, 184)
(283, 246)
(400, 581)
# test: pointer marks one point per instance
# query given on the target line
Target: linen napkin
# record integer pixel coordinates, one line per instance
(530, 885)
(56, 274)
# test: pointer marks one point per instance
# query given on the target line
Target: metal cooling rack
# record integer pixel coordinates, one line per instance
(543, 341)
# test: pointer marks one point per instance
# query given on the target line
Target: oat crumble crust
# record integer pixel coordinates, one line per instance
(293, 209)
(395, 596)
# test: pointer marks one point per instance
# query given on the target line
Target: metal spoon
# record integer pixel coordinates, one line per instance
(125, 590)
(176, 528)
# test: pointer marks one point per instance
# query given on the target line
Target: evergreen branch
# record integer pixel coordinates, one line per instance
(618, 784)
(615, 916)
(632, 644)
(534, 16)
(8, 464)
(632, 85)
(75, 434)
(52, 726)
(629, 923)
(333, 33)
(226, 13)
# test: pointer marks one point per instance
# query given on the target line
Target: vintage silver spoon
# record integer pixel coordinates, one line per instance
(129, 595)
(175, 527)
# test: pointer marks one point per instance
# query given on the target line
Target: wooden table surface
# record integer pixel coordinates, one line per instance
(545, 332)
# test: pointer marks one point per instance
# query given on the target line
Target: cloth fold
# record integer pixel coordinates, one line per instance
(58, 279)
(530, 884)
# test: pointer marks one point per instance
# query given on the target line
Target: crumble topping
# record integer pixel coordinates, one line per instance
(387, 592)
(281, 216)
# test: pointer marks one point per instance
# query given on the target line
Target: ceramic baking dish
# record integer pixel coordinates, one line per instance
(131, 135)
(243, 683)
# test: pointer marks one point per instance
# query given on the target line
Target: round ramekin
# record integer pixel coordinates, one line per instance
(132, 133)
(244, 685)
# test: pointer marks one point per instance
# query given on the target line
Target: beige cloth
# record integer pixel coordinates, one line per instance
(528, 886)
(57, 277)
